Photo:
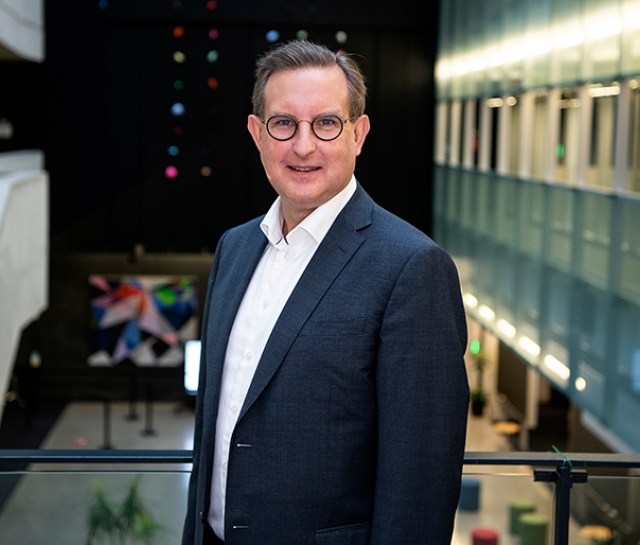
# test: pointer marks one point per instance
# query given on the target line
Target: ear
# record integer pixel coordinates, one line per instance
(255, 127)
(361, 129)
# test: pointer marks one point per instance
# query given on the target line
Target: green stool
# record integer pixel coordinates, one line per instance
(533, 529)
(518, 507)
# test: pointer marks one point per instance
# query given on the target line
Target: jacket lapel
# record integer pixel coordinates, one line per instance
(335, 251)
(225, 303)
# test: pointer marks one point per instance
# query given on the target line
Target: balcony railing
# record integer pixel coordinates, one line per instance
(56, 488)
(554, 272)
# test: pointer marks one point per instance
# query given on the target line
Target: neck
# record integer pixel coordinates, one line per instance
(290, 222)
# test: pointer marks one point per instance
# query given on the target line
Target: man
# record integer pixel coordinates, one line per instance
(333, 398)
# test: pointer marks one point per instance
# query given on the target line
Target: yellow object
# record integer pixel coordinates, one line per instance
(599, 533)
(508, 428)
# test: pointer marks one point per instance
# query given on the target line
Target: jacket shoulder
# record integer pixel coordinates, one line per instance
(395, 231)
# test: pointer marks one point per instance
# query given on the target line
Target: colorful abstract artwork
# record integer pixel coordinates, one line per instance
(143, 319)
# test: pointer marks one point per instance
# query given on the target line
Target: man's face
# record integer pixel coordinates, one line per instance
(306, 171)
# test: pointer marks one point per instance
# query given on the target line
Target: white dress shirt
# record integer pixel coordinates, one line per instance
(275, 277)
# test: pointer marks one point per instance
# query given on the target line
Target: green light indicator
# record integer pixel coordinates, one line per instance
(178, 85)
(560, 151)
(474, 347)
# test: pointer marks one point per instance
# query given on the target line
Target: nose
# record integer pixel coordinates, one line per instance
(304, 141)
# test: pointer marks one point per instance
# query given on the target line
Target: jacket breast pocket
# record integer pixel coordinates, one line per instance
(353, 534)
(333, 328)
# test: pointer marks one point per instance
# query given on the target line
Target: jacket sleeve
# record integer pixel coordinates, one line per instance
(423, 396)
(192, 520)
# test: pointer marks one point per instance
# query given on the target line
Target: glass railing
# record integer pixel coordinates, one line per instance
(76, 497)
(556, 499)
(139, 496)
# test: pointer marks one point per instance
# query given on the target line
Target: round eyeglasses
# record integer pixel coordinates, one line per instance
(325, 127)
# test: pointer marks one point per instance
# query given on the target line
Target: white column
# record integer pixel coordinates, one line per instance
(455, 129)
(622, 140)
(526, 134)
(469, 136)
(440, 147)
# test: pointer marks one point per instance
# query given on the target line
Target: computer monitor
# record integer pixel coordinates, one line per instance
(191, 366)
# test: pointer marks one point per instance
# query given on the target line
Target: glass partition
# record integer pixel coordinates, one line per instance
(560, 221)
(630, 44)
(566, 64)
(500, 499)
(628, 213)
(60, 507)
(504, 45)
(117, 496)
(506, 210)
(602, 29)
(532, 218)
(538, 43)
(594, 214)
(605, 510)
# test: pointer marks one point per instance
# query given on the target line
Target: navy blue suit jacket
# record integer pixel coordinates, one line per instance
(352, 432)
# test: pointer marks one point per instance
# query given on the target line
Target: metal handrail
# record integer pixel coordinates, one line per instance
(552, 459)
(141, 456)
(98, 456)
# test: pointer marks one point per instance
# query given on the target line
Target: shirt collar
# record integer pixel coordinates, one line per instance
(317, 224)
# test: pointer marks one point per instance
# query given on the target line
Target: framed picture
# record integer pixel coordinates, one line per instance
(144, 319)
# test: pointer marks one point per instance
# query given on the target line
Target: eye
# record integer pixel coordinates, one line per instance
(283, 122)
(327, 122)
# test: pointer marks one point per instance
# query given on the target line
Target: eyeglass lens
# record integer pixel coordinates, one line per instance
(326, 127)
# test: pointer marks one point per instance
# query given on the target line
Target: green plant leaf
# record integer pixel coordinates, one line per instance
(102, 520)
(146, 528)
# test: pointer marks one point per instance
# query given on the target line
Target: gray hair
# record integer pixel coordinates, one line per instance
(299, 54)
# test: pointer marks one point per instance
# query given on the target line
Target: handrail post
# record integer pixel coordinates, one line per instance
(561, 505)
(563, 476)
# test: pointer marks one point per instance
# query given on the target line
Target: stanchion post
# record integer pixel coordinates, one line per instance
(133, 395)
(106, 424)
(148, 413)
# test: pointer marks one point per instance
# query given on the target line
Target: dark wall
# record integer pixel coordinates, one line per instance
(512, 379)
(19, 80)
(109, 80)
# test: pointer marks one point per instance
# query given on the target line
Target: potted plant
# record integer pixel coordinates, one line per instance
(478, 395)
(478, 401)
(128, 522)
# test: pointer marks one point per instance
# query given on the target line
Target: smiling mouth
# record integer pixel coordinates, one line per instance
(304, 169)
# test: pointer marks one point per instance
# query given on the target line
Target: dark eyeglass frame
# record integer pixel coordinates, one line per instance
(297, 123)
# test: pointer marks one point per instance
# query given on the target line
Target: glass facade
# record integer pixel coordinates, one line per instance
(542, 212)
(504, 45)
(562, 268)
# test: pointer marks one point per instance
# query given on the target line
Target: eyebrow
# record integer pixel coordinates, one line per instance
(337, 114)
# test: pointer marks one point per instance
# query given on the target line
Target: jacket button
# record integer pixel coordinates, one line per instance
(202, 517)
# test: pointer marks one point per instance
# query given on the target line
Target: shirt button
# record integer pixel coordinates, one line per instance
(234, 409)
(286, 255)
(224, 466)
(265, 304)
(249, 355)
